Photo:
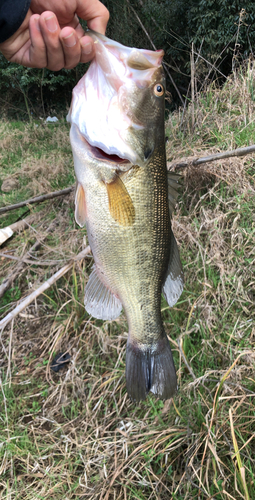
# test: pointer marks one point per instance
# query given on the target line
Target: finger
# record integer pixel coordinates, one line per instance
(79, 30)
(86, 42)
(95, 13)
(35, 56)
(71, 47)
(50, 30)
(87, 49)
(29, 50)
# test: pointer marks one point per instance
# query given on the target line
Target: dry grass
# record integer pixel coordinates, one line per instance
(75, 433)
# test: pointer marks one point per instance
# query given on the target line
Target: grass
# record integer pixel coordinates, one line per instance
(75, 433)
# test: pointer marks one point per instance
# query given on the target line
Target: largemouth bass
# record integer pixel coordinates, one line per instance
(124, 196)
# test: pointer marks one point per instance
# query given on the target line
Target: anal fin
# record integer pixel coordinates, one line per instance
(120, 204)
(80, 205)
(99, 301)
(174, 282)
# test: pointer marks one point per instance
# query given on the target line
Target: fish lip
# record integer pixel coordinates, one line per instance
(102, 155)
(153, 55)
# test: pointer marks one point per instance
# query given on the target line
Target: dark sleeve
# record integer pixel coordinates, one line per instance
(12, 15)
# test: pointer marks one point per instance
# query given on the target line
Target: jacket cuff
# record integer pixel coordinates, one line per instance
(12, 15)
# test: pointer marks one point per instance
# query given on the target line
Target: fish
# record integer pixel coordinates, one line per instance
(125, 196)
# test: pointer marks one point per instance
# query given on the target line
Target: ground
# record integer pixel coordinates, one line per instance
(75, 433)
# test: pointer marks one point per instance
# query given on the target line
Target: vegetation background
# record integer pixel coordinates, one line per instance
(222, 31)
(75, 433)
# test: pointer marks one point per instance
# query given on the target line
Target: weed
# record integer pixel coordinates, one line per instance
(75, 433)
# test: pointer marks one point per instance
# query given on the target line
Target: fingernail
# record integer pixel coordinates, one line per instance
(87, 48)
(69, 40)
(51, 23)
(36, 20)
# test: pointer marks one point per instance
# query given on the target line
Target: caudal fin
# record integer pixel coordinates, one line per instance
(150, 370)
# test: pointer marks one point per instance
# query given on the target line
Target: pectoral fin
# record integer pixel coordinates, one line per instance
(99, 301)
(80, 205)
(120, 204)
(173, 286)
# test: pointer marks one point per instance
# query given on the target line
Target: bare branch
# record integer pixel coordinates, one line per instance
(217, 156)
(28, 261)
(38, 199)
(8, 281)
(24, 223)
(7, 232)
(47, 284)
(192, 82)
(185, 360)
(163, 64)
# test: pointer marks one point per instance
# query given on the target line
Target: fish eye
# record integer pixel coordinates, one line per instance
(159, 90)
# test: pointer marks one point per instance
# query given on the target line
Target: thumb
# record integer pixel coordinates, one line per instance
(95, 13)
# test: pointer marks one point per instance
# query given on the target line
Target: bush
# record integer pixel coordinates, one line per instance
(36, 90)
(221, 30)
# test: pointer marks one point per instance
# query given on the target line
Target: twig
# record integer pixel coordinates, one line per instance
(234, 58)
(210, 64)
(217, 156)
(29, 261)
(185, 360)
(24, 223)
(154, 47)
(7, 282)
(7, 232)
(6, 411)
(187, 93)
(25, 302)
(214, 67)
(192, 80)
(38, 199)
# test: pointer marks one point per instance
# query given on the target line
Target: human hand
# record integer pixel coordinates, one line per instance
(51, 35)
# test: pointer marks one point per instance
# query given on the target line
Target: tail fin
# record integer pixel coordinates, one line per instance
(150, 370)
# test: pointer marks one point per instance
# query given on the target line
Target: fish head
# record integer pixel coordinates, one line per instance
(143, 102)
(118, 105)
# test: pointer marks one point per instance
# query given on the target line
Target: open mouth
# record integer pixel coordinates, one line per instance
(101, 155)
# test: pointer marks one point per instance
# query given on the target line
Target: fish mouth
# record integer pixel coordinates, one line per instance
(100, 154)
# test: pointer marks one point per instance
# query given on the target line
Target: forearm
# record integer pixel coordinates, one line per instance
(12, 15)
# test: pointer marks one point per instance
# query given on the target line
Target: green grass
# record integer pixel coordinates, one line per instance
(37, 158)
(75, 433)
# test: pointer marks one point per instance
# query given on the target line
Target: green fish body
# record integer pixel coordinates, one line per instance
(124, 196)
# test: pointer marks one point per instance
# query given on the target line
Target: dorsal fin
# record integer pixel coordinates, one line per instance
(173, 181)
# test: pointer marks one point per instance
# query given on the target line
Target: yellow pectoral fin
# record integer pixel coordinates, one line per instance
(120, 204)
(80, 206)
